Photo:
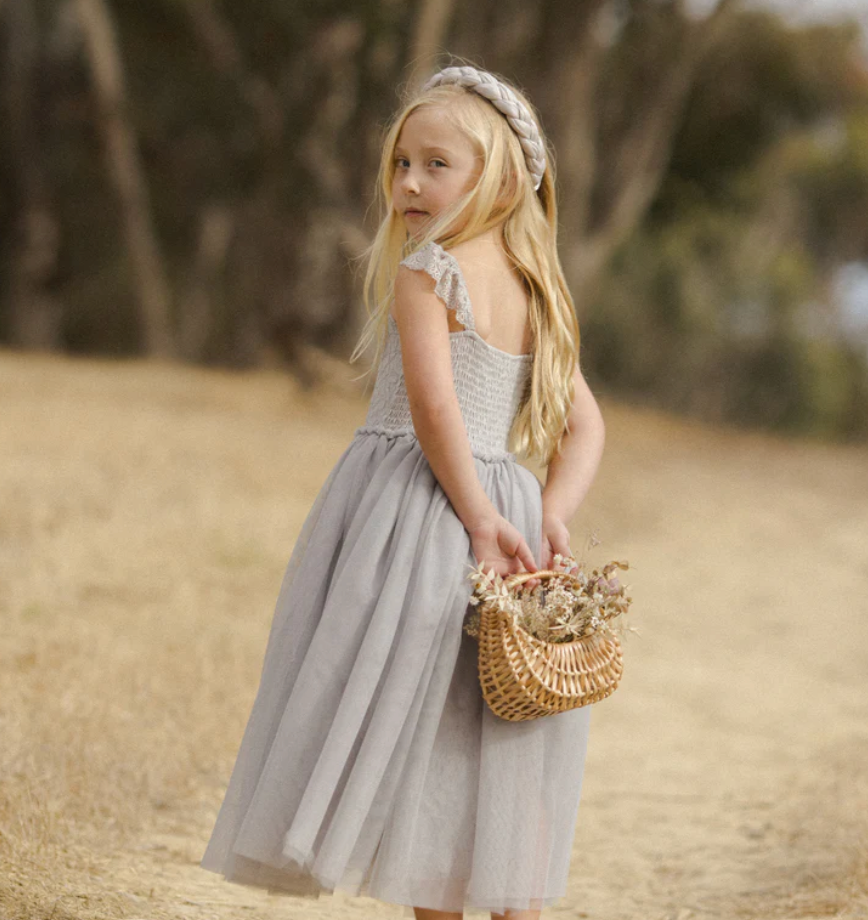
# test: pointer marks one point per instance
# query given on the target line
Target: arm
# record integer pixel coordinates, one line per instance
(427, 361)
(572, 470)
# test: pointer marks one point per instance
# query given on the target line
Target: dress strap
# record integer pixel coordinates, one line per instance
(443, 267)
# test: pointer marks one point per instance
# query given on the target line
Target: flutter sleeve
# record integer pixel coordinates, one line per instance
(449, 284)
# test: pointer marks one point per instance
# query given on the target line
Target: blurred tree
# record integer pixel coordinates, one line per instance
(288, 100)
(122, 155)
(611, 80)
(34, 317)
(711, 175)
(727, 283)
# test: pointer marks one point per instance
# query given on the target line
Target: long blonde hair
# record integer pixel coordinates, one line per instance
(503, 195)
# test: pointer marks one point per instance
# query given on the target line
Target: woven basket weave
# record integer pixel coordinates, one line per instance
(523, 677)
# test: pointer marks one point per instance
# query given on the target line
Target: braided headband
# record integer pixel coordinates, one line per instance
(506, 102)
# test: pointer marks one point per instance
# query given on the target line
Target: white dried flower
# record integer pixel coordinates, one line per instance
(562, 608)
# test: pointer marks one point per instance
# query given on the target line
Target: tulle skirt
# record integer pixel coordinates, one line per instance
(370, 762)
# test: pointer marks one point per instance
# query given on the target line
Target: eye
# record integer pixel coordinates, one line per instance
(438, 162)
(399, 161)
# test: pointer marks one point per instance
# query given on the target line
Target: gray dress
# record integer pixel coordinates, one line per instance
(370, 762)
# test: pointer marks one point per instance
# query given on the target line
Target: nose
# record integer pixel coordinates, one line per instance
(409, 182)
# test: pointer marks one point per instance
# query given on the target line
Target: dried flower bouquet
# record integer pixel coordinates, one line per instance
(558, 609)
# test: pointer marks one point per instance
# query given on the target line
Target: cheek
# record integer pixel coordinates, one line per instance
(453, 188)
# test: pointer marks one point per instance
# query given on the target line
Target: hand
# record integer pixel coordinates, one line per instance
(499, 545)
(555, 539)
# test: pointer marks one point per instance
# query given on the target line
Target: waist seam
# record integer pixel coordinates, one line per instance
(487, 454)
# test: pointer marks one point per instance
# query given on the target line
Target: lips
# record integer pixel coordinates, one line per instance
(412, 212)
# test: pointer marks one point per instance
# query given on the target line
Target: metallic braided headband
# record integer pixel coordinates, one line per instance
(506, 102)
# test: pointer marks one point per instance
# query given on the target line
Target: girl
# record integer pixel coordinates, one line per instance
(370, 762)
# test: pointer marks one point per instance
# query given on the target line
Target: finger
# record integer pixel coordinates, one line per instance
(510, 543)
(563, 547)
(514, 562)
(523, 552)
(546, 554)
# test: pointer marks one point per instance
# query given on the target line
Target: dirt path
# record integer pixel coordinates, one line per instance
(146, 515)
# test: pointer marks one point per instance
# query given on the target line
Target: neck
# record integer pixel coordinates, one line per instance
(494, 236)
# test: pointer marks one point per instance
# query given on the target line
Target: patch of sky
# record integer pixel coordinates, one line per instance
(850, 294)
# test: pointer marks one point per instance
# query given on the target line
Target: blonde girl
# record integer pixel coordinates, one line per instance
(370, 763)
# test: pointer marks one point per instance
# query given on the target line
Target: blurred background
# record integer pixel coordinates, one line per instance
(194, 178)
(185, 187)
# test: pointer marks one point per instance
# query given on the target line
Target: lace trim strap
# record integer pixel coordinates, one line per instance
(449, 286)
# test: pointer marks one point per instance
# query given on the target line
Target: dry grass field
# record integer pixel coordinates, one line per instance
(146, 515)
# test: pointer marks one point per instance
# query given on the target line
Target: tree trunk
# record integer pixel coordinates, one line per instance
(605, 183)
(640, 161)
(128, 176)
(215, 234)
(35, 314)
(430, 28)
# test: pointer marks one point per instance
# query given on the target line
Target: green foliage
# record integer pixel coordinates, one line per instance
(762, 82)
(704, 309)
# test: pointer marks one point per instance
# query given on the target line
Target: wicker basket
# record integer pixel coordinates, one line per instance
(523, 677)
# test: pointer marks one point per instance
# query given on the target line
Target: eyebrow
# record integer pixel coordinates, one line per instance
(425, 149)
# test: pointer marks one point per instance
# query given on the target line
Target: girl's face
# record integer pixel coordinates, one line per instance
(435, 165)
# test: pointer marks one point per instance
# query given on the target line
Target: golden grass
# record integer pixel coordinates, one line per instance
(146, 514)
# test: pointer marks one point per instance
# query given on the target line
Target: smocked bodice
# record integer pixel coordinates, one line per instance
(489, 382)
